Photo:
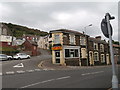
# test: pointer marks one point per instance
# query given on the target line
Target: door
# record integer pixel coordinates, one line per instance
(91, 58)
(108, 59)
(57, 55)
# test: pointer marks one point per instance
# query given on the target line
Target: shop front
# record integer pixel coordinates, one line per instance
(66, 55)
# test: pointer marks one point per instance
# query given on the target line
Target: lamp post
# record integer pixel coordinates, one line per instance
(86, 40)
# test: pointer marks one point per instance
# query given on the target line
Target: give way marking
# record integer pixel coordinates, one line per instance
(19, 65)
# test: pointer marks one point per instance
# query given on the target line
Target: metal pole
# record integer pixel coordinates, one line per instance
(114, 77)
(86, 44)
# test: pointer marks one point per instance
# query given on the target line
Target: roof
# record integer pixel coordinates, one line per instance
(115, 45)
(32, 42)
(96, 40)
(67, 31)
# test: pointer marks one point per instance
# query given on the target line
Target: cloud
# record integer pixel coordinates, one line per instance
(55, 15)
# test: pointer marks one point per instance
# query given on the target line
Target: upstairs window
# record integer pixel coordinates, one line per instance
(72, 39)
(101, 47)
(57, 39)
(82, 40)
(95, 46)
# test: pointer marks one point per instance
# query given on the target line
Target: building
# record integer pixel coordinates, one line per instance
(116, 51)
(98, 51)
(69, 47)
(5, 36)
(43, 42)
(30, 47)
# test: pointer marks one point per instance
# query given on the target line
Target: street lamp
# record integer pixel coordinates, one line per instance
(86, 40)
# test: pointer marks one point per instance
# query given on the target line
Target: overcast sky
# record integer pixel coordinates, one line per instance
(48, 16)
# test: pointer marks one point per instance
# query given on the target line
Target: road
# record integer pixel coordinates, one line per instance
(27, 65)
(80, 78)
(30, 76)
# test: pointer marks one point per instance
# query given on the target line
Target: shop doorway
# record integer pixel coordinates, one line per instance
(57, 56)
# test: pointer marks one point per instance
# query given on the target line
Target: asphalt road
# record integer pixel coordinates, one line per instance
(26, 64)
(99, 77)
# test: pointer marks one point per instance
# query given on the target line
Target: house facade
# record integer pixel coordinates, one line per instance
(30, 47)
(116, 51)
(43, 42)
(5, 36)
(98, 51)
(69, 47)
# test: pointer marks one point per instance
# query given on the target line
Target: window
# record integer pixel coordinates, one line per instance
(102, 58)
(71, 53)
(96, 56)
(72, 39)
(56, 39)
(101, 47)
(95, 46)
(82, 40)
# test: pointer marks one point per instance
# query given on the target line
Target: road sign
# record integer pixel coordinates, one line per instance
(104, 28)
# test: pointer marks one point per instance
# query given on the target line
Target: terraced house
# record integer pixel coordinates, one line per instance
(77, 49)
(98, 51)
(69, 47)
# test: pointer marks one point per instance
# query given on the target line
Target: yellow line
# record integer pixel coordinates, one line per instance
(40, 64)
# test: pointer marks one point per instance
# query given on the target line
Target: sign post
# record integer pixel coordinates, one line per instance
(108, 33)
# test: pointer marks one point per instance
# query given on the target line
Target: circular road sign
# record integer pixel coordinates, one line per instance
(104, 28)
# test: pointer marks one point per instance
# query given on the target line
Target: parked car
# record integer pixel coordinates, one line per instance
(21, 56)
(9, 57)
(3, 57)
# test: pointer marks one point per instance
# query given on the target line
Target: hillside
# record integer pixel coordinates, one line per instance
(18, 30)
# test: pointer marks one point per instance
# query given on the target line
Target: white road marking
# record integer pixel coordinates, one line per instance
(19, 65)
(45, 69)
(63, 78)
(11, 72)
(30, 70)
(85, 74)
(20, 71)
(45, 81)
(92, 73)
(37, 69)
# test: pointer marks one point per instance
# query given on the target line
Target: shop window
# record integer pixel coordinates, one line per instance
(71, 53)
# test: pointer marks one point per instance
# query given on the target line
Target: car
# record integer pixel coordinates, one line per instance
(3, 57)
(21, 56)
(9, 57)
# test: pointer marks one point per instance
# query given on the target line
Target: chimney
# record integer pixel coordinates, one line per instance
(98, 37)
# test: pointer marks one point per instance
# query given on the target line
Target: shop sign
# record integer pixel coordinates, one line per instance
(57, 48)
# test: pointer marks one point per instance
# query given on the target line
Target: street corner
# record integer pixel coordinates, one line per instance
(45, 65)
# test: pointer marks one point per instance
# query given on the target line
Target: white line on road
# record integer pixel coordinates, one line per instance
(30, 70)
(92, 73)
(45, 81)
(11, 72)
(63, 78)
(37, 69)
(20, 71)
